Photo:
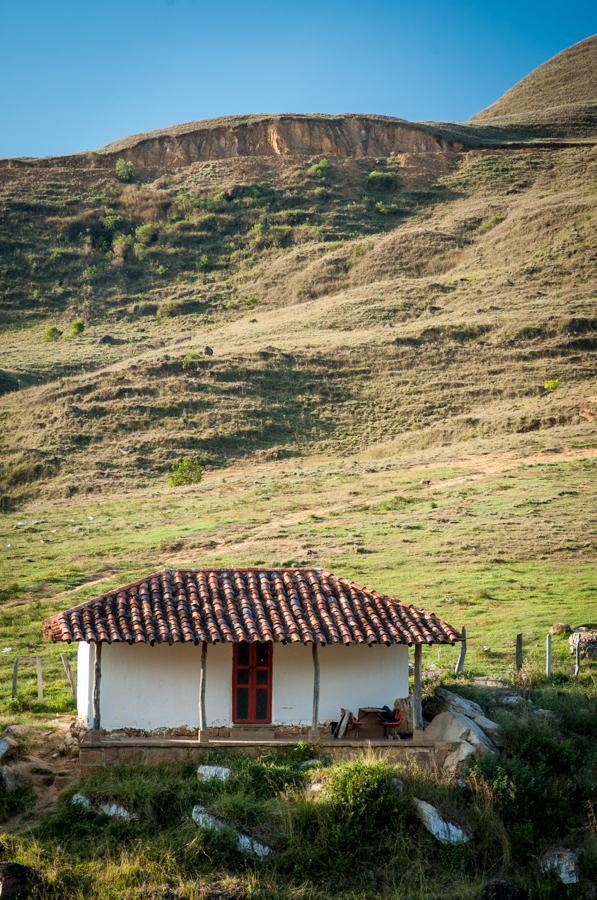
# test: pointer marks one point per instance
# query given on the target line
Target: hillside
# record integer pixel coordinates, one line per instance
(563, 88)
(374, 338)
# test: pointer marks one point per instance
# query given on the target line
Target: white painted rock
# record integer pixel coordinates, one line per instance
(446, 832)
(563, 862)
(111, 809)
(213, 773)
(8, 748)
(454, 727)
(245, 844)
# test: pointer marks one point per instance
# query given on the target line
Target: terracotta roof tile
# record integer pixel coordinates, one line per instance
(232, 605)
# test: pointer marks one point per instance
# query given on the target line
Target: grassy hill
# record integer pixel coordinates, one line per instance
(382, 363)
(562, 89)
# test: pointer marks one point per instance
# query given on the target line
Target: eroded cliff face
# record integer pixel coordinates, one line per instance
(344, 136)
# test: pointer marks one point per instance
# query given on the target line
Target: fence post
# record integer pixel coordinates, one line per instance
(15, 676)
(577, 658)
(69, 674)
(460, 661)
(548, 655)
(40, 680)
(518, 652)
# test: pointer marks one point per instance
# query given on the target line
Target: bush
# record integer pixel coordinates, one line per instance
(52, 333)
(186, 471)
(550, 384)
(381, 181)
(125, 171)
(203, 262)
(77, 327)
(145, 234)
(320, 169)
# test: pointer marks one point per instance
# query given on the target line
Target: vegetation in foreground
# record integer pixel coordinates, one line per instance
(357, 836)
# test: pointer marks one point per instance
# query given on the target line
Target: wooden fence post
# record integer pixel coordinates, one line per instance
(418, 689)
(15, 676)
(577, 659)
(460, 661)
(518, 652)
(40, 680)
(548, 655)
(69, 674)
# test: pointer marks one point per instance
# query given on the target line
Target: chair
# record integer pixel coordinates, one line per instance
(348, 721)
(391, 721)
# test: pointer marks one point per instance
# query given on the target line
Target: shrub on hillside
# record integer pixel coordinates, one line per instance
(77, 327)
(52, 333)
(186, 471)
(321, 168)
(125, 171)
(550, 384)
(381, 181)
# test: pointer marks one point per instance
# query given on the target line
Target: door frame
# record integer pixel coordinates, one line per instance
(252, 684)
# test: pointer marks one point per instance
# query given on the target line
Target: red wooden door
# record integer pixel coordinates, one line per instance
(252, 683)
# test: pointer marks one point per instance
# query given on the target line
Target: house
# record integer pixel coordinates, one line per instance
(225, 648)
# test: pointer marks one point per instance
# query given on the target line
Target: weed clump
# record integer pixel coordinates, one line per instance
(77, 327)
(52, 333)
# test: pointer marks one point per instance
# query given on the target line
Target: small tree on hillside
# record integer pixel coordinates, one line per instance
(125, 171)
(186, 471)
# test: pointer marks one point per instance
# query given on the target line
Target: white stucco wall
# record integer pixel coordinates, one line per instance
(158, 687)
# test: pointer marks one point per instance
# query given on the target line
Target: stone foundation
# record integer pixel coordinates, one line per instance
(97, 752)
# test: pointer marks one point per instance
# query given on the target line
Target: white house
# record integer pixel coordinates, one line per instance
(213, 648)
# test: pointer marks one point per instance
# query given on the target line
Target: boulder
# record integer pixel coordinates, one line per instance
(561, 861)
(457, 704)
(445, 832)
(9, 780)
(560, 628)
(213, 773)
(456, 762)
(17, 882)
(245, 844)
(454, 728)
(586, 637)
(16, 731)
(208, 351)
(8, 748)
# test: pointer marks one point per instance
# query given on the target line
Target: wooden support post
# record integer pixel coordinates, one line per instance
(460, 661)
(15, 676)
(69, 675)
(40, 680)
(548, 655)
(418, 689)
(203, 735)
(97, 677)
(518, 652)
(314, 732)
(576, 658)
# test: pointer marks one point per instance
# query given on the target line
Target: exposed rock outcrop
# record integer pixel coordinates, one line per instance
(280, 135)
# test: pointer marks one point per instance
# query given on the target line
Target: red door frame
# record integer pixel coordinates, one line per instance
(252, 684)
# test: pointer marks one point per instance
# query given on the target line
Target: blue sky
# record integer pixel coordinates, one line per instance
(76, 74)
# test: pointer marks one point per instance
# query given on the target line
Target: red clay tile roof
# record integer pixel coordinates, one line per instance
(231, 605)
